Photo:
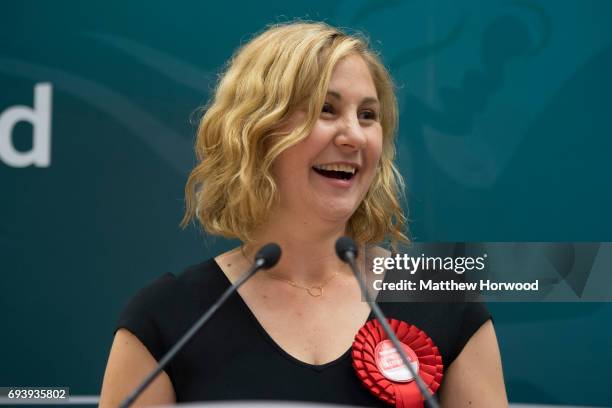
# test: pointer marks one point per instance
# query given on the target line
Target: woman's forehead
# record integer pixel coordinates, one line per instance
(352, 75)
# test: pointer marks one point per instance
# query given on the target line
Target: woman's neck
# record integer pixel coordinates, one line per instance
(309, 255)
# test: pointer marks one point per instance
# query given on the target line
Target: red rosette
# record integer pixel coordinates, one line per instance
(393, 384)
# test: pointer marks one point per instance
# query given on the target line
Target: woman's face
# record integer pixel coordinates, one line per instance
(329, 173)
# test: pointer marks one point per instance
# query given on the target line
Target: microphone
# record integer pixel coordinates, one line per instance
(265, 258)
(347, 252)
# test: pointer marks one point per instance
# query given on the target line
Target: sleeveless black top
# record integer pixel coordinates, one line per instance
(234, 358)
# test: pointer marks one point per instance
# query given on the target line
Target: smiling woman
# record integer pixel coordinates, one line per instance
(279, 89)
(330, 171)
(296, 148)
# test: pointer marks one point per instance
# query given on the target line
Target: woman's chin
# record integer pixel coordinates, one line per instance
(337, 213)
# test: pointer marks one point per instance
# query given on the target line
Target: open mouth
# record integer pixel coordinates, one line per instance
(341, 172)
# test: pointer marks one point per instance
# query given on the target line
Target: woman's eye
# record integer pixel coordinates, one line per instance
(327, 108)
(368, 115)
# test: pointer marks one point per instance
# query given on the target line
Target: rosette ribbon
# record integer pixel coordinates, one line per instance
(419, 347)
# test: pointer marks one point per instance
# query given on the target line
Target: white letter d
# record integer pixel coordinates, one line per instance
(40, 118)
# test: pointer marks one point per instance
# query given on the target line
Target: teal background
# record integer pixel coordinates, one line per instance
(505, 136)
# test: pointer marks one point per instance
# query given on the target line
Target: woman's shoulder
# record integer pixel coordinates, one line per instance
(202, 277)
(165, 307)
(199, 276)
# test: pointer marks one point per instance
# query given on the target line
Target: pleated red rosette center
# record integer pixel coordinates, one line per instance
(377, 366)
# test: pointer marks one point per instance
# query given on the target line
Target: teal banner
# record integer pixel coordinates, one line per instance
(505, 136)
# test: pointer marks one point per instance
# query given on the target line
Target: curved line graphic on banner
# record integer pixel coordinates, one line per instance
(173, 68)
(169, 145)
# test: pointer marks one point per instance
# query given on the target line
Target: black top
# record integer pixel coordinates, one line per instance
(234, 358)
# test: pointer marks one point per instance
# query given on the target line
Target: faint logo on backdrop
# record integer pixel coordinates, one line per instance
(454, 123)
(39, 116)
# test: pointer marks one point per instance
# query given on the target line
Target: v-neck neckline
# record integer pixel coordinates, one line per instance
(274, 343)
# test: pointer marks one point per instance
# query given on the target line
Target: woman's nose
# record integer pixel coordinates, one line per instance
(351, 134)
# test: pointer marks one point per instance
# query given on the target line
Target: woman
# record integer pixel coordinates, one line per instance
(296, 148)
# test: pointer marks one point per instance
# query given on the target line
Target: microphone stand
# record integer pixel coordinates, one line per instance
(265, 258)
(350, 259)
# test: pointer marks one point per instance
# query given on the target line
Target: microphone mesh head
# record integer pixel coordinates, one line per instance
(270, 254)
(344, 246)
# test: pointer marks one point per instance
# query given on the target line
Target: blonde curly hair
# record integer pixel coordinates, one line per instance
(231, 190)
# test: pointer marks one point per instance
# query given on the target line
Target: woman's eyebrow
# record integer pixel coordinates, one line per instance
(367, 99)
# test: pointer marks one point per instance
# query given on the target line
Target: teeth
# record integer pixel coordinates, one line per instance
(337, 167)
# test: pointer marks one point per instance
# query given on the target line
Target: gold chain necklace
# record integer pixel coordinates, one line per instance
(314, 291)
